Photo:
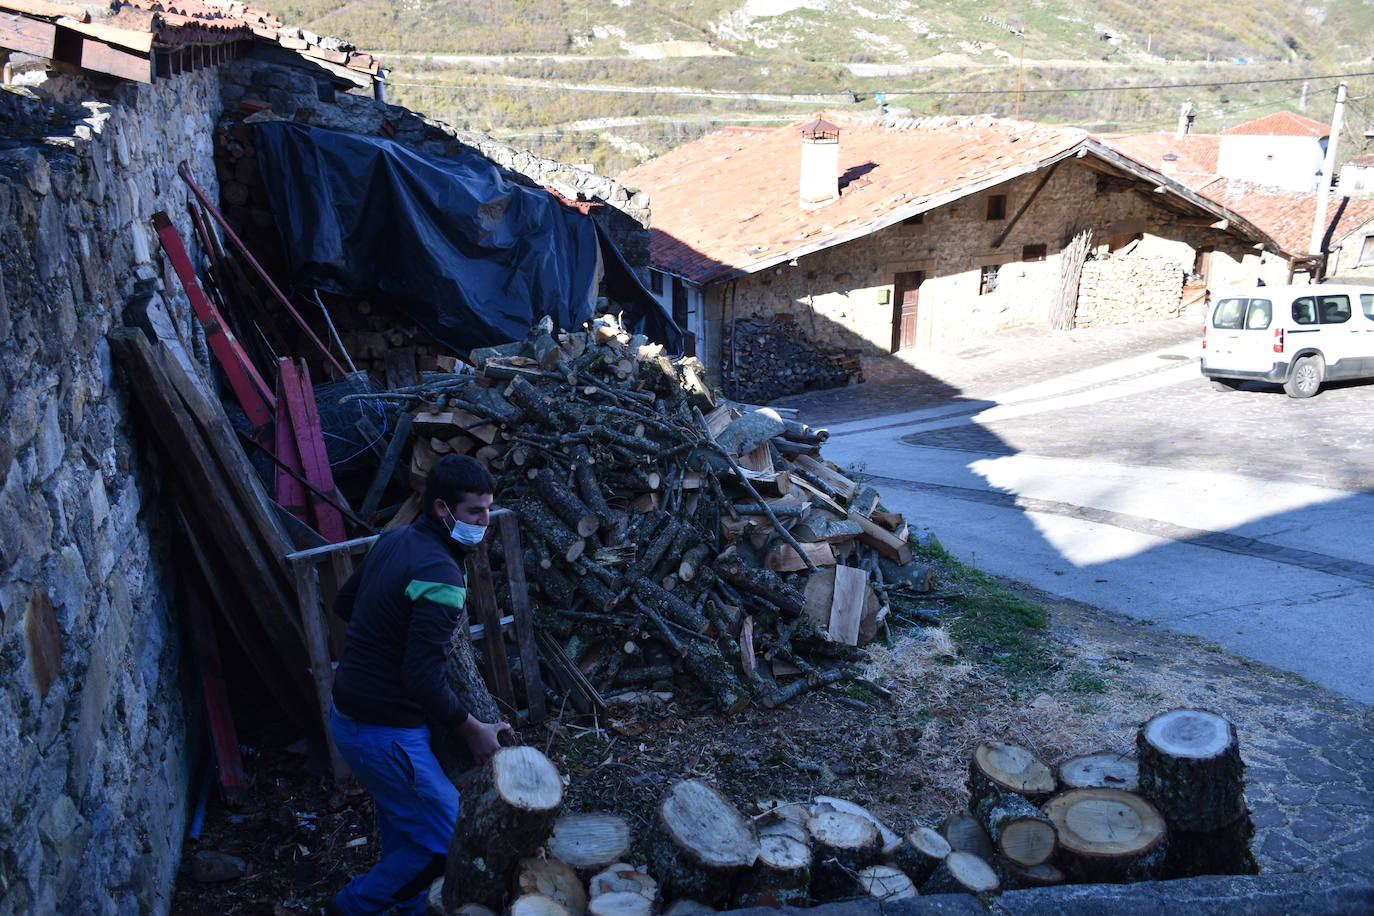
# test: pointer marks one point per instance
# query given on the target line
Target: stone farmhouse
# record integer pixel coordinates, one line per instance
(101, 733)
(869, 235)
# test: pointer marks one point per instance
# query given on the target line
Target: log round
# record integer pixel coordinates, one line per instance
(1108, 836)
(1015, 878)
(538, 905)
(703, 843)
(842, 845)
(961, 873)
(552, 878)
(515, 799)
(621, 903)
(965, 834)
(887, 836)
(999, 767)
(1020, 831)
(623, 878)
(589, 841)
(782, 875)
(920, 853)
(886, 884)
(1190, 768)
(1101, 770)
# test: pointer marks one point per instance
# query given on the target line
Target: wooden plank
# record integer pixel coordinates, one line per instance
(90, 54)
(721, 417)
(214, 692)
(142, 42)
(482, 600)
(508, 527)
(47, 9)
(289, 491)
(847, 605)
(842, 486)
(355, 546)
(386, 467)
(27, 36)
(747, 662)
(784, 559)
(317, 645)
(819, 498)
(309, 437)
(409, 512)
(890, 545)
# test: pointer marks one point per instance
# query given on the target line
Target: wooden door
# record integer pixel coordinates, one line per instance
(906, 289)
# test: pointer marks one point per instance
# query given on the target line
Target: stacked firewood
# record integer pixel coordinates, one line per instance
(1107, 818)
(769, 359)
(664, 532)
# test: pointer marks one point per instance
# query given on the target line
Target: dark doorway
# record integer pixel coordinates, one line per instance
(906, 288)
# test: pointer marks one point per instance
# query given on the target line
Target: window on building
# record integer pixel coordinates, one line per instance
(1033, 253)
(1367, 249)
(656, 282)
(987, 282)
(997, 206)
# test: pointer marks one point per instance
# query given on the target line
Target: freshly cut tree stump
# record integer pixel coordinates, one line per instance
(590, 841)
(1102, 770)
(703, 843)
(621, 903)
(1107, 836)
(842, 844)
(1020, 831)
(1016, 878)
(1190, 768)
(999, 767)
(889, 837)
(1225, 851)
(538, 905)
(782, 875)
(515, 799)
(885, 883)
(921, 852)
(961, 873)
(623, 878)
(965, 834)
(552, 878)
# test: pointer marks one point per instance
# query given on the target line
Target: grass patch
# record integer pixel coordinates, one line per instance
(1086, 683)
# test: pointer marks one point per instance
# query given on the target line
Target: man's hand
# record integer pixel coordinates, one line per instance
(483, 738)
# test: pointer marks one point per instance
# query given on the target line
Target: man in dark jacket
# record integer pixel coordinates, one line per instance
(402, 605)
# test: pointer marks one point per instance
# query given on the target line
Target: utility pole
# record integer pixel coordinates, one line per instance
(1302, 99)
(1329, 166)
(1020, 69)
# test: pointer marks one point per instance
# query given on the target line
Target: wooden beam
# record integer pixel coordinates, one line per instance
(46, 9)
(141, 42)
(847, 605)
(1044, 180)
(89, 54)
(27, 36)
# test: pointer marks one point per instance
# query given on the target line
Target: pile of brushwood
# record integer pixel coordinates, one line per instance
(1176, 810)
(663, 532)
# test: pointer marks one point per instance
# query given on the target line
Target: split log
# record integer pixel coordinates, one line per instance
(565, 503)
(782, 876)
(538, 905)
(842, 845)
(888, 838)
(1190, 768)
(919, 853)
(623, 878)
(891, 545)
(1101, 770)
(1016, 878)
(1107, 836)
(783, 558)
(589, 842)
(999, 767)
(703, 843)
(840, 485)
(965, 834)
(961, 873)
(886, 884)
(552, 878)
(1019, 830)
(515, 799)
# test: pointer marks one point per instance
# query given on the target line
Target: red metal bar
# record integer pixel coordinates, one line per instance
(223, 735)
(290, 493)
(249, 388)
(309, 445)
(210, 208)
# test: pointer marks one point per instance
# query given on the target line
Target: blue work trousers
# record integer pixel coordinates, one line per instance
(417, 809)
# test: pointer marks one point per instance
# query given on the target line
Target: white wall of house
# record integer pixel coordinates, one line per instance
(1291, 163)
(1356, 180)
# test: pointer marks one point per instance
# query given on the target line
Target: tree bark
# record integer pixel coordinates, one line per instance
(961, 873)
(782, 876)
(702, 845)
(999, 767)
(921, 852)
(842, 844)
(1224, 851)
(1019, 830)
(565, 503)
(1190, 768)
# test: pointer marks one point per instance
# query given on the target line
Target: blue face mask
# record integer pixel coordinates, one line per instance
(462, 532)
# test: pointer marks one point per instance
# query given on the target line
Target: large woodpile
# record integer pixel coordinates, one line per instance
(1025, 829)
(666, 536)
(769, 359)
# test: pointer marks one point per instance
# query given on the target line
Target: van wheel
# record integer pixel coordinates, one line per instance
(1305, 379)
(1224, 384)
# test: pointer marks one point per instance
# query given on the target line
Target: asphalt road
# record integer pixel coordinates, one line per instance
(1100, 466)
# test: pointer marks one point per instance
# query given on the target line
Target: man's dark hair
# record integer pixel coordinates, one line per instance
(452, 476)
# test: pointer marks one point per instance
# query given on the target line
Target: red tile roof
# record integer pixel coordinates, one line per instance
(1287, 216)
(1281, 124)
(1196, 154)
(1362, 161)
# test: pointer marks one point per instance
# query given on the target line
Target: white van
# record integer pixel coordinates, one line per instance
(1295, 336)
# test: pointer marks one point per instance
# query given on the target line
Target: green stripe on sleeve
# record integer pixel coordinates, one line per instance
(438, 592)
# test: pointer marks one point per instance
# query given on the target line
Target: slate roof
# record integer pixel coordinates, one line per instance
(728, 204)
(1281, 124)
(1287, 216)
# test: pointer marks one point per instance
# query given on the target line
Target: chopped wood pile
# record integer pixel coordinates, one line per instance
(769, 359)
(663, 532)
(1025, 828)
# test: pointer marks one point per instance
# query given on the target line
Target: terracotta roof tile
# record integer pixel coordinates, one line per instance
(729, 202)
(1287, 216)
(1281, 124)
(1195, 161)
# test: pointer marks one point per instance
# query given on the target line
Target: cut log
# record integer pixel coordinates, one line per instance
(838, 483)
(560, 538)
(1107, 836)
(1019, 830)
(1224, 851)
(961, 873)
(620, 903)
(891, 545)
(886, 884)
(965, 834)
(623, 878)
(1016, 878)
(842, 845)
(782, 876)
(783, 558)
(703, 843)
(538, 905)
(750, 431)
(919, 853)
(1101, 770)
(888, 838)
(515, 799)
(589, 842)
(1190, 768)
(999, 767)
(565, 503)
(764, 584)
(552, 878)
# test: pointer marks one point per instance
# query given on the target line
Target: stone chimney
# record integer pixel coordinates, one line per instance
(820, 162)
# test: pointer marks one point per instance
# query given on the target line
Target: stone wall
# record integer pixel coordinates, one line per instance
(1121, 290)
(95, 736)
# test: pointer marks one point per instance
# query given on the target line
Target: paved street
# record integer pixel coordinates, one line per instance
(1099, 465)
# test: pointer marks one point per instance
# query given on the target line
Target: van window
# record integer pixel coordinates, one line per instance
(1305, 310)
(1333, 309)
(1229, 314)
(1261, 310)
(1367, 304)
